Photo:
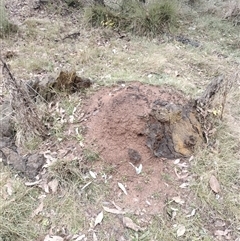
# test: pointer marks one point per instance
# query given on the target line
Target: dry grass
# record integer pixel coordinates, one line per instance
(6, 27)
(103, 56)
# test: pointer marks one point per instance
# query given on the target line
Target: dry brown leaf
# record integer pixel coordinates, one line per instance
(53, 185)
(113, 210)
(127, 222)
(214, 184)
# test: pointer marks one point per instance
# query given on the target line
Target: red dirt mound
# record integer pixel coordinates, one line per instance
(116, 130)
(118, 119)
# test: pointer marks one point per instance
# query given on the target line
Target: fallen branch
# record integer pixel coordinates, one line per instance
(27, 116)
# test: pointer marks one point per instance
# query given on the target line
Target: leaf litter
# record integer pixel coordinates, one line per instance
(53, 185)
(113, 210)
(121, 186)
(98, 219)
(181, 230)
(178, 200)
(128, 223)
(214, 184)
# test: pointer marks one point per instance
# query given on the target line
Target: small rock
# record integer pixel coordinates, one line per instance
(34, 165)
(134, 156)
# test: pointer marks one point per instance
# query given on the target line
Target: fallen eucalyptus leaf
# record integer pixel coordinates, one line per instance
(219, 223)
(9, 188)
(181, 230)
(92, 174)
(53, 238)
(30, 184)
(177, 161)
(184, 185)
(191, 158)
(53, 185)
(120, 185)
(113, 210)
(81, 237)
(178, 200)
(192, 213)
(221, 232)
(137, 169)
(214, 184)
(95, 237)
(128, 223)
(44, 186)
(86, 185)
(98, 219)
(116, 206)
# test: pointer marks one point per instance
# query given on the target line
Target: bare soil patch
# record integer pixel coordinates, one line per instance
(116, 130)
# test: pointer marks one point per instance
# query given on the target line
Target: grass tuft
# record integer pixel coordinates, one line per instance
(67, 172)
(132, 16)
(16, 209)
